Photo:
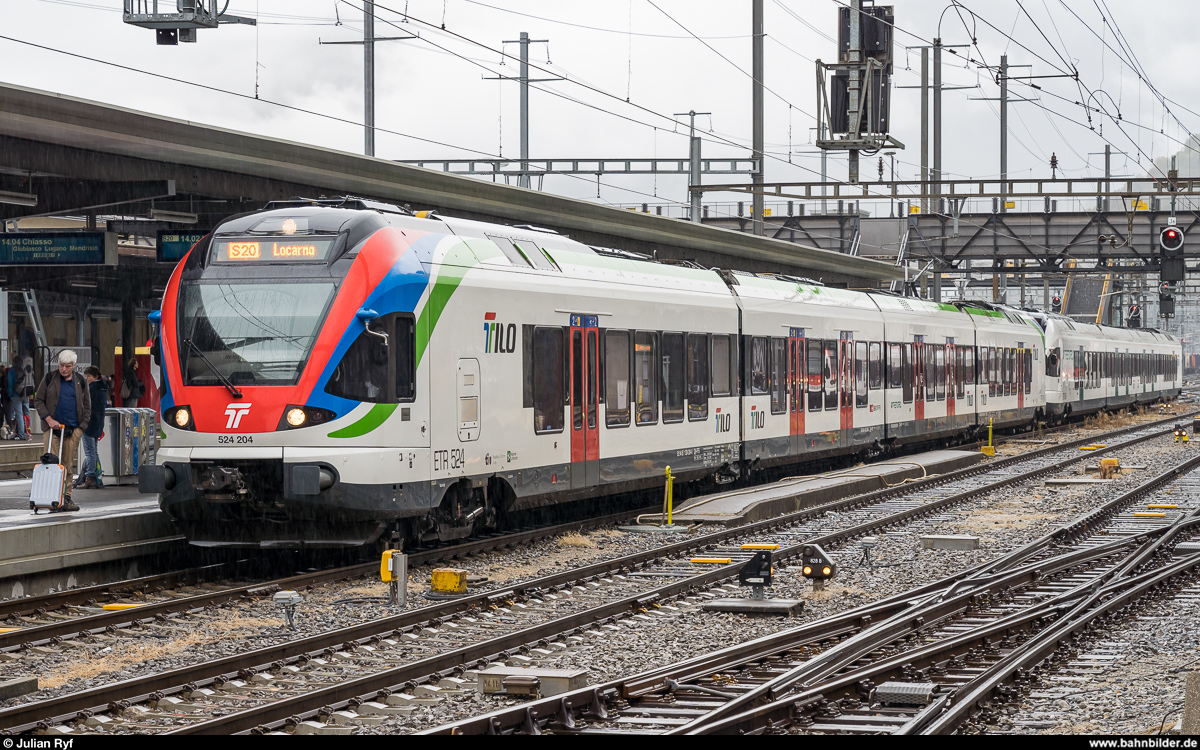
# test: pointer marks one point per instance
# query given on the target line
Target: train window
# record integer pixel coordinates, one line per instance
(906, 369)
(960, 372)
(779, 370)
(698, 376)
(816, 375)
(990, 362)
(672, 377)
(894, 374)
(829, 373)
(363, 372)
(875, 366)
(1028, 371)
(577, 379)
(592, 377)
(930, 374)
(549, 388)
(759, 363)
(510, 251)
(1010, 371)
(1052, 363)
(645, 376)
(968, 366)
(616, 378)
(535, 256)
(940, 371)
(404, 351)
(860, 374)
(797, 378)
(722, 355)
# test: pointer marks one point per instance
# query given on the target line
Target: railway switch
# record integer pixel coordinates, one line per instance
(818, 566)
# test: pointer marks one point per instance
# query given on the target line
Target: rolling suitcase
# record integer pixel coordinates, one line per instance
(46, 490)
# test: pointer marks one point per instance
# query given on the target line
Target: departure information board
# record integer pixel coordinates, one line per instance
(273, 250)
(58, 248)
(173, 245)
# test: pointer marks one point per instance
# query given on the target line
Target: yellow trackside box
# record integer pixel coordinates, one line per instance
(386, 566)
(449, 581)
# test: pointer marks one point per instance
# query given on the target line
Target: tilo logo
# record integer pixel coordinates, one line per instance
(497, 337)
(235, 412)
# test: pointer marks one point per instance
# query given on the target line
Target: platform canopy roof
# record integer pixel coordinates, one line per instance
(80, 156)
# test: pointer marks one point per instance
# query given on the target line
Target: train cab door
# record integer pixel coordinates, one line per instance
(585, 388)
(918, 366)
(846, 382)
(798, 384)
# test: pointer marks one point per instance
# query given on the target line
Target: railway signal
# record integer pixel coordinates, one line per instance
(818, 566)
(1171, 240)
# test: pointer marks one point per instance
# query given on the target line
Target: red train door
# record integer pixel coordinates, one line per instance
(846, 379)
(918, 379)
(585, 383)
(798, 381)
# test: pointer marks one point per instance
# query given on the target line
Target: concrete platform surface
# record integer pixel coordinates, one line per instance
(114, 529)
(789, 495)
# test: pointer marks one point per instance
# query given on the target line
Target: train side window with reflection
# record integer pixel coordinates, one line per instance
(645, 376)
(816, 374)
(378, 373)
(673, 385)
(549, 387)
(829, 371)
(875, 366)
(969, 365)
(510, 251)
(1028, 371)
(616, 378)
(939, 353)
(779, 371)
(722, 355)
(698, 376)
(860, 374)
(759, 362)
(894, 375)
(931, 373)
(906, 369)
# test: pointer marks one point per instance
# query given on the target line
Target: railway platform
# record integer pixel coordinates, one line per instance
(755, 504)
(116, 534)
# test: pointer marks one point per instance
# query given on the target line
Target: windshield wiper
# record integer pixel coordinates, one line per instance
(233, 389)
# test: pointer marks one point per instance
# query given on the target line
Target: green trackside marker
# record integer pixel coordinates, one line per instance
(454, 265)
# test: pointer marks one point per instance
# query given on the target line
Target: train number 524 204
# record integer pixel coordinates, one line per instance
(232, 439)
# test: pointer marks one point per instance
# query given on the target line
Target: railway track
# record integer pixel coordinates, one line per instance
(927, 661)
(50, 618)
(392, 664)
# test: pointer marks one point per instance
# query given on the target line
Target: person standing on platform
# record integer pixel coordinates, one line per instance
(63, 403)
(89, 478)
(19, 386)
(131, 384)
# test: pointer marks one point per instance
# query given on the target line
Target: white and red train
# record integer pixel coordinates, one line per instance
(335, 373)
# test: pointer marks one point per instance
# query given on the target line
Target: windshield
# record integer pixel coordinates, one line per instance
(253, 334)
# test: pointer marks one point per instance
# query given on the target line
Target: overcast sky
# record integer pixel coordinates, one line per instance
(435, 87)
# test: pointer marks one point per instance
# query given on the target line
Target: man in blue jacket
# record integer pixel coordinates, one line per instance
(90, 479)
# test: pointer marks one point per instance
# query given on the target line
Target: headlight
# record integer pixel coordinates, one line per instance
(296, 417)
(180, 417)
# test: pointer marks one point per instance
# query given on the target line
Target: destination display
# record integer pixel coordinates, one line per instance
(305, 250)
(172, 245)
(58, 248)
